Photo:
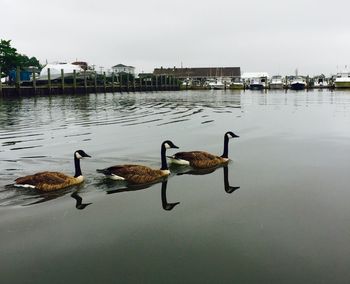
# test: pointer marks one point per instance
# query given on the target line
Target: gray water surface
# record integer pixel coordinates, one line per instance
(287, 219)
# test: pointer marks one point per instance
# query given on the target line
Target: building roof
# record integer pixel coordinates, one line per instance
(200, 72)
(122, 65)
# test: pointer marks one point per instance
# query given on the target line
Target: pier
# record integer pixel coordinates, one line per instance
(89, 82)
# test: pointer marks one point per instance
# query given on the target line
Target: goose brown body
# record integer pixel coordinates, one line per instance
(201, 159)
(136, 174)
(139, 174)
(49, 181)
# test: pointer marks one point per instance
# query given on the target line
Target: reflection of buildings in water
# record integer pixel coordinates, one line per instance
(79, 201)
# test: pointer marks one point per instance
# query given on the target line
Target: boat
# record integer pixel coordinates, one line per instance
(342, 80)
(298, 83)
(276, 82)
(255, 80)
(237, 84)
(55, 71)
(258, 83)
(321, 82)
(216, 84)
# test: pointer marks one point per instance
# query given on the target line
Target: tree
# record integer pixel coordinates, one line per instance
(10, 59)
(8, 56)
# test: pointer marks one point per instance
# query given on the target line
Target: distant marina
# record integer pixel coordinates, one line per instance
(78, 77)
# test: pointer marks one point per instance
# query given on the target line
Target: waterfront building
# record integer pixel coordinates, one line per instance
(121, 68)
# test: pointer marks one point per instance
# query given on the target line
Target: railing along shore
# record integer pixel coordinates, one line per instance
(88, 82)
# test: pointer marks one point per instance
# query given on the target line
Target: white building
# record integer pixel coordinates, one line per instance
(121, 68)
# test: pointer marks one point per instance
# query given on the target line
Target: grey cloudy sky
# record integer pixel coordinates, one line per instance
(273, 36)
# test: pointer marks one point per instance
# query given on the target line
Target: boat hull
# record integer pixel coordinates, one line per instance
(297, 86)
(236, 86)
(342, 84)
(217, 87)
(256, 86)
(276, 86)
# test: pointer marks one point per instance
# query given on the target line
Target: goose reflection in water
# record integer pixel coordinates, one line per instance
(165, 204)
(183, 170)
(79, 201)
(30, 197)
(12, 195)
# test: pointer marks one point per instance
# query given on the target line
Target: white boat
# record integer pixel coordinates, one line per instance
(321, 82)
(298, 83)
(55, 71)
(255, 80)
(216, 84)
(237, 84)
(276, 82)
(342, 80)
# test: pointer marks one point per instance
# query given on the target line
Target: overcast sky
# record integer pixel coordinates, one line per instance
(277, 37)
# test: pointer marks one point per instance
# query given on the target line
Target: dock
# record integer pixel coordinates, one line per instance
(87, 84)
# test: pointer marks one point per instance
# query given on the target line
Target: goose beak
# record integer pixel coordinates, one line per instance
(86, 155)
(175, 147)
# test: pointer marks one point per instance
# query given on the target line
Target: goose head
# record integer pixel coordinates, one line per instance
(230, 134)
(227, 136)
(167, 144)
(79, 154)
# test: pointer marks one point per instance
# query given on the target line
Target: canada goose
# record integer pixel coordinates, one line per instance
(49, 181)
(201, 159)
(138, 174)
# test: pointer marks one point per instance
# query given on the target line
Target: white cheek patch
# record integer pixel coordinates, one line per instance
(167, 146)
(78, 155)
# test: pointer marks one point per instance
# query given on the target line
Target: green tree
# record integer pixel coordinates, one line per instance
(10, 59)
(8, 56)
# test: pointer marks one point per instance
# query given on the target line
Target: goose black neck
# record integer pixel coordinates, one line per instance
(225, 153)
(163, 158)
(77, 167)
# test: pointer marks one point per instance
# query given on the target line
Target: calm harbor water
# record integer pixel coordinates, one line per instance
(279, 213)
